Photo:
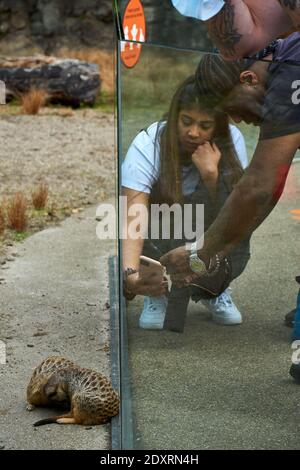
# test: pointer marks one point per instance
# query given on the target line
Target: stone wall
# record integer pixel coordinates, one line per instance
(43, 26)
(171, 28)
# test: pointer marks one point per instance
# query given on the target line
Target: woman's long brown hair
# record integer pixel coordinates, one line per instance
(168, 187)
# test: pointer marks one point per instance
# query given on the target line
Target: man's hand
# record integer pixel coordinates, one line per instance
(177, 261)
(178, 266)
(183, 280)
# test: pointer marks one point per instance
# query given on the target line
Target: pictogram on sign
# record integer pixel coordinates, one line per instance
(134, 27)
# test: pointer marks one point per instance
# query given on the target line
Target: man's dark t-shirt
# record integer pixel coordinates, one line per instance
(281, 113)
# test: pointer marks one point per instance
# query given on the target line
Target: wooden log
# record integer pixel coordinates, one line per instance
(66, 81)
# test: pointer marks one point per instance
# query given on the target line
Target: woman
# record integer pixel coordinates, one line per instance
(196, 157)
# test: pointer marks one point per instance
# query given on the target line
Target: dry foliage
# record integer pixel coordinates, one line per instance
(2, 220)
(16, 210)
(33, 100)
(39, 196)
(65, 112)
(104, 59)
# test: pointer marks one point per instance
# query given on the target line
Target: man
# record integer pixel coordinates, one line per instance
(266, 94)
(240, 28)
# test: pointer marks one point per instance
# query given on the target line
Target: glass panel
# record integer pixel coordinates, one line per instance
(166, 26)
(197, 384)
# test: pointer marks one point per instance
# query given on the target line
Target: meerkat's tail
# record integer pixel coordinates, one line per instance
(64, 419)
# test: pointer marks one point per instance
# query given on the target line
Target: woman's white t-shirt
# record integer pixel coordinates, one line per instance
(140, 169)
(200, 9)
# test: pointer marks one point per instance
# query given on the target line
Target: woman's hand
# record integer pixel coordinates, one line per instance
(206, 158)
(152, 286)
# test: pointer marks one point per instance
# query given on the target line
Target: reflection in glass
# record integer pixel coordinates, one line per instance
(209, 387)
(167, 27)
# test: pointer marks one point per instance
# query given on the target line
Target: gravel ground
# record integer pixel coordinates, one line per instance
(73, 154)
(71, 151)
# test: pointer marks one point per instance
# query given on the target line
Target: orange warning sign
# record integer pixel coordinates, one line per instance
(134, 27)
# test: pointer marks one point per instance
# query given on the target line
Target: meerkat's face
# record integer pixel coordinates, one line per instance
(36, 395)
(55, 393)
(46, 392)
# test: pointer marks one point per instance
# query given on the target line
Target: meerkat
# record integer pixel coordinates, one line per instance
(58, 380)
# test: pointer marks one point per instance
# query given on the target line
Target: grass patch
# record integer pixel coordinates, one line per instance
(37, 213)
(2, 220)
(19, 236)
(33, 101)
(39, 196)
(65, 211)
(106, 108)
(12, 109)
(105, 102)
(16, 211)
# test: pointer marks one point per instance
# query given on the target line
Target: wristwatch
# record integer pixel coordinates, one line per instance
(197, 265)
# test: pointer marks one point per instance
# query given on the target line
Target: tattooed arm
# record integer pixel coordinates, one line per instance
(242, 28)
(292, 8)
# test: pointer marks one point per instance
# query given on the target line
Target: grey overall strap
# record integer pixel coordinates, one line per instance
(178, 300)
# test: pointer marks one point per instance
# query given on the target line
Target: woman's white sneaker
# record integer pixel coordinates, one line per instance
(223, 309)
(153, 314)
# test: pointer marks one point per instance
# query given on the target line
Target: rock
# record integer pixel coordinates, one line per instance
(67, 81)
(89, 32)
(4, 28)
(16, 5)
(4, 6)
(104, 13)
(37, 28)
(51, 18)
(19, 20)
(80, 7)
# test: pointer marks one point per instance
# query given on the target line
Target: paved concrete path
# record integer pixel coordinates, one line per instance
(53, 300)
(217, 387)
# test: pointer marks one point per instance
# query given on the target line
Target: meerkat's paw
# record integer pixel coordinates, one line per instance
(30, 407)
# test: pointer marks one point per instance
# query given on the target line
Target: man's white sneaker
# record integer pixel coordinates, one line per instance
(223, 309)
(153, 314)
